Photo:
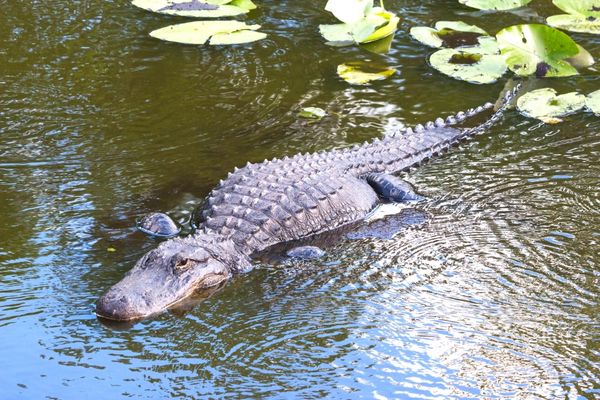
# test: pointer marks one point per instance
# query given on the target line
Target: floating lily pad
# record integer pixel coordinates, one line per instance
(495, 4)
(575, 23)
(214, 32)
(312, 113)
(192, 8)
(349, 11)
(585, 8)
(546, 106)
(374, 26)
(583, 16)
(386, 29)
(540, 50)
(592, 102)
(361, 73)
(448, 34)
(478, 64)
(237, 37)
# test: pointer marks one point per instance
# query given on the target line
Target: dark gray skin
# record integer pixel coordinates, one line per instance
(159, 225)
(279, 201)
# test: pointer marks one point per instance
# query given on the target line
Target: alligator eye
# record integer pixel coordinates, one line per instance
(183, 263)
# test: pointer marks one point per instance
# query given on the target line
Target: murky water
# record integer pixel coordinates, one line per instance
(488, 290)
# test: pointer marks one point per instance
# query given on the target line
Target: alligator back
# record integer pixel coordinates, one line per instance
(282, 200)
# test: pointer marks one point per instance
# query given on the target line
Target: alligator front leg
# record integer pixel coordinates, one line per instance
(392, 188)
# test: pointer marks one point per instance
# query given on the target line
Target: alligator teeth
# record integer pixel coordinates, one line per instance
(419, 128)
(460, 116)
(439, 122)
(409, 131)
(451, 120)
(488, 105)
(479, 109)
(429, 125)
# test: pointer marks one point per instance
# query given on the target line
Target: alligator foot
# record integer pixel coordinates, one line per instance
(392, 188)
(158, 225)
(305, 252)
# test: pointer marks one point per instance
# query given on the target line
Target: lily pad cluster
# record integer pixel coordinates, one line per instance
(361, 22)
(202, 32)
(547, 106)
(470, 54)
(581, 16)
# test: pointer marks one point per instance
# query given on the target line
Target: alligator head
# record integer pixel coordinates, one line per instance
(170, 273)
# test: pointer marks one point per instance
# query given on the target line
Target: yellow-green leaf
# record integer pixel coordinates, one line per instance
(359, 73)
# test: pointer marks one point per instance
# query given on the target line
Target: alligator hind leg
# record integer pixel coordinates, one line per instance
(392, 188)
(305, 252)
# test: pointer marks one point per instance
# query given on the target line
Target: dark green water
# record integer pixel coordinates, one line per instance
(490, 290)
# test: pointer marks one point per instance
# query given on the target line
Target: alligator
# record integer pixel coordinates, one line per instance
(282, 200)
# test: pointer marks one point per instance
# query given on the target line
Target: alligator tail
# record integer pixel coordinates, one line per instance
(503, 104)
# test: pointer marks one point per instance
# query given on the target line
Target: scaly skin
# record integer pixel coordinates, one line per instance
(272, 202)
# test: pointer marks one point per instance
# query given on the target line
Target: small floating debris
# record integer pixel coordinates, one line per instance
(315, 113)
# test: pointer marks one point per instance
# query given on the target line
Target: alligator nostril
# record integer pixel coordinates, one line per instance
(115, 307)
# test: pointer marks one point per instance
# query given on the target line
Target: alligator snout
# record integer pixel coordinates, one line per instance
(115, 305)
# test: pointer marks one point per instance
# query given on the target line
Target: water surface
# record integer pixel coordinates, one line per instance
(489, 289)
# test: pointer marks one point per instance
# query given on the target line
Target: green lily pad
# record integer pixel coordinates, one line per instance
(384, 30)
(582, 16)
(237, 37)
(214, 32)
(592, 102)
(575, 23)
(381, 46)
(546, 106)
(191, 8)
(448, 34)
(540, 50)
(245, 4)
(494, 4)
(361, 73)
(376, 25)
(478, 64)
(312, 113)
(584, 8)
(349, 11)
